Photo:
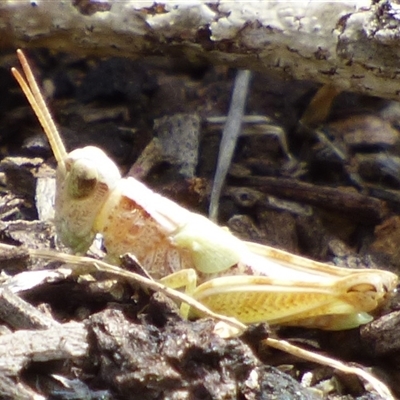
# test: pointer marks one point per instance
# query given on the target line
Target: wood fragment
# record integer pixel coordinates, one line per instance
(13, 258)
(176, 142)
(60, 342)
(350, 44)
(65, 341)
(21, 315)
(382, 337)
(320, 106)
(358, 206)
(12, 389)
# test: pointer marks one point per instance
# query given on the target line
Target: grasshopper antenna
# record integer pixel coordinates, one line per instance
(35, 98)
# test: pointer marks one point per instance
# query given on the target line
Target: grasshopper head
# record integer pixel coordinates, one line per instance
(84, 181)
(85, 177)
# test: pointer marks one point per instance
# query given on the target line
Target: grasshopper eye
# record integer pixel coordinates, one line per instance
(83, 178)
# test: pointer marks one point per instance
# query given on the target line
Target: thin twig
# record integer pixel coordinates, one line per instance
(85, 265)
(230, 136)
(92, 265)
(287, 347)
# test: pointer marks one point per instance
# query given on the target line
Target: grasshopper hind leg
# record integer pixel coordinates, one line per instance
(186, 279)
(260, 299)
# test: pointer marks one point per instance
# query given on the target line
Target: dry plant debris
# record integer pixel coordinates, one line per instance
(74, 335)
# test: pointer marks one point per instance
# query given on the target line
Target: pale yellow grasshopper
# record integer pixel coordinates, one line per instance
(247, 281)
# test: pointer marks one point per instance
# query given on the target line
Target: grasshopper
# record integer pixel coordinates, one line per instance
(248, 281)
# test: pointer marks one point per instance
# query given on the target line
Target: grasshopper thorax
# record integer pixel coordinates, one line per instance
(84, 181)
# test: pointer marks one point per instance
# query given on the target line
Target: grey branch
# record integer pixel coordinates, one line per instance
(353, 45)
(64, 341)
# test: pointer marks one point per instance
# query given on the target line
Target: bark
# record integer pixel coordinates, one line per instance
(353, 45)
(64, 341)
